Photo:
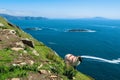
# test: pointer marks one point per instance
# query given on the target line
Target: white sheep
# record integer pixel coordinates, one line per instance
(73, 60)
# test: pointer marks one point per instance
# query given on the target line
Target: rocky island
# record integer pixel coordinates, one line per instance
(80, 30)
(24, 58)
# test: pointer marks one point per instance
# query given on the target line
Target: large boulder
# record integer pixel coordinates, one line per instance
(28, 42)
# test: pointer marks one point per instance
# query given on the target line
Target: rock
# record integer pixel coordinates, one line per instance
(25, 52)
(35, 52)
(15, 79)
(1, 24)
(19, 63)
(17, 49)
(28, 42)
(74, 78)
(53, 76)
(9, 31)
(20, 44)
(10, 24)
(15, 64)
(23, 63)
(40, 66)
(12, 32)
(7, 37)
(45, 72)
(31, 62)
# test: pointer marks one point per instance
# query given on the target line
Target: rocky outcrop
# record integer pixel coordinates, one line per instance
(8, 32)
(28, 42)
(8, 38)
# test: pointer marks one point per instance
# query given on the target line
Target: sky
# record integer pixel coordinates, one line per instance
(62, 8)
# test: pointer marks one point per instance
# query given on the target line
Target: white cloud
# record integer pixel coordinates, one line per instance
(5, 11)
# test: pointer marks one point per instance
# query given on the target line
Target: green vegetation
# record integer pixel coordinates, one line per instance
(21, 63)
(5, 56)
(70, 72)
(15, 71)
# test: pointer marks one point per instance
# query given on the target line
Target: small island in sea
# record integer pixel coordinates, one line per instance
(80, 30)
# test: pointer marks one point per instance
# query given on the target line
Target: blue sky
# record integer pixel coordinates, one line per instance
(62, 8)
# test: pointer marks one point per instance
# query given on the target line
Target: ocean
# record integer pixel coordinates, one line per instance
(99, 48)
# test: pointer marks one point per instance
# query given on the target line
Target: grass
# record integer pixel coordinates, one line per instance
(16, 71)
(5, 56)
(82, 76)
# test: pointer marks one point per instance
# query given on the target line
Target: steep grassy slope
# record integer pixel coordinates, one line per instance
(22, 61)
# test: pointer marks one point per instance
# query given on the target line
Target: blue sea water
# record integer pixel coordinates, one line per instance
(100, 50)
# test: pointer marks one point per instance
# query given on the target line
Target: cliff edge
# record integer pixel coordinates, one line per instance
(24, 58)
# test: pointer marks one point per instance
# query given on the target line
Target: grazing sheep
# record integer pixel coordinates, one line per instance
(73, 60)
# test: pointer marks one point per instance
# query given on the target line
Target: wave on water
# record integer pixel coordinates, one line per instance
(34, 28)
(47, 28)
(91, 30)
(114, 61)
(51, 43)
(54, 29)
(109, 26)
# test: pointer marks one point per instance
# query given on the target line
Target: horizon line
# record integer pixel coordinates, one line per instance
(97, 17)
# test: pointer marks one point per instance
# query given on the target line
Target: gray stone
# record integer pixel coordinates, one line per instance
(15, 79)
(45, 72)
(17, 49)
(20, 44)
(31, 62)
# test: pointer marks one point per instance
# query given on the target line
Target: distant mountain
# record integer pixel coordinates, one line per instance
(100, 18)
(11, 17)
(96, 18)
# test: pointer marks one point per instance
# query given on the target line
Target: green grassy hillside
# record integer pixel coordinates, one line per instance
(24, 58)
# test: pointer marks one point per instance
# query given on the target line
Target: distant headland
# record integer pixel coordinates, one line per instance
(11, 17)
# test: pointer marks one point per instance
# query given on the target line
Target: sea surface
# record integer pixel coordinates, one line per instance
(99, 48)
